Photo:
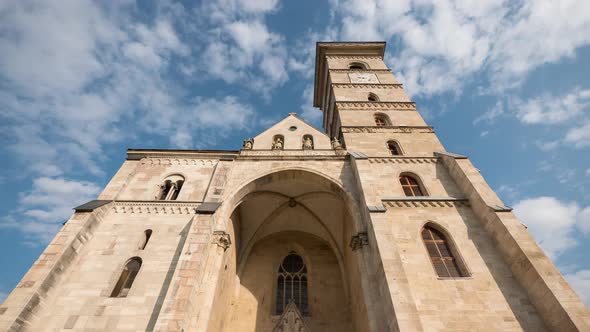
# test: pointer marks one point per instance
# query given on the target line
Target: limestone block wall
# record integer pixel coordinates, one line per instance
(342, 62)
(489, 299)
(416, 142)
(149, 173)
(360, 92)
(342, 76)
(82, 301)
(366, 117)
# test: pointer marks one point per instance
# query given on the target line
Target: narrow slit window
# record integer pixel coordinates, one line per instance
(146, 237)
(441, 254)
(410, 186)
(381, 120)
(394, 148)
(292, 284)
(127, 277)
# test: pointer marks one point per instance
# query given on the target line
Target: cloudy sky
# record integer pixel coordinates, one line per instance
(505, 82)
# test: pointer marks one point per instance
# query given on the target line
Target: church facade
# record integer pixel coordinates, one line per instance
(370, 225)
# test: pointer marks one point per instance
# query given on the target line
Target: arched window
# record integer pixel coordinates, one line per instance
(411, 186)
(381, 120)
(372, 97)
(307, 142)
(127, 277)
(357, 66)
(170, 188)
(394, 148)
(278, 142)
(292, 284)
(445, 262)
(146, 237)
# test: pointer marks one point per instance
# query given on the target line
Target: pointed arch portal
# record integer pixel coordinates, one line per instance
(285, 221)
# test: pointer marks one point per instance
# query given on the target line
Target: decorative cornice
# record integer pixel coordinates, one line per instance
(388, 129)
(370, 86)
(222, 239)
(359, 70)
(168, 161)
(291, 154)
(425, 201)
(403, 160)
(353, 57)
(155, 207)
(359, 240)
(372, 105)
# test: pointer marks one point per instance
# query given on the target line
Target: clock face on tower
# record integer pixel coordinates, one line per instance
(365, 78)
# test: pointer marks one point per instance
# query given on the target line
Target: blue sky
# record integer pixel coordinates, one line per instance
(505, 82)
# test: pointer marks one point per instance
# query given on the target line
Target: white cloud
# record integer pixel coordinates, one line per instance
(549, 145)
(443, 44)
(580, 281)
(240, 48)
(309, 113)
(553, 223)
(579, 136)
(48, 204)
(550, 109)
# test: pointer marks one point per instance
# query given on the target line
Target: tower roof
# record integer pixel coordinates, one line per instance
(340, 48)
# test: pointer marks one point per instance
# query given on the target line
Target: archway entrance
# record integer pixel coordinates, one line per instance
(291, 213)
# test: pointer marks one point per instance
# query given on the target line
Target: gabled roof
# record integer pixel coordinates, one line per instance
(311, 129)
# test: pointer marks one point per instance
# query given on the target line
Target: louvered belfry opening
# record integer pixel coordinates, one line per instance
(292, 284)
(441, 254)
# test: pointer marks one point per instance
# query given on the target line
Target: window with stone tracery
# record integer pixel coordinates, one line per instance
(170, 188)
(292, 284)
(127, 277)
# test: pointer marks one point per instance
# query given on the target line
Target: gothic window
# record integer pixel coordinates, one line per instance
(381, 120)
(372, 97)
(357, 66)
(127, 277)
(441, 253)
(292, 284)
(394, 148)
(411, 186)
(146, 237)
(307, 142)
(278, 142)
(170, 188)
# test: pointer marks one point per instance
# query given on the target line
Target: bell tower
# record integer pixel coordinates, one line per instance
(365, 106)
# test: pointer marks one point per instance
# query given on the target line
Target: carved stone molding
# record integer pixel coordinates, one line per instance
(359, 70)
(403, 160)
(370, 86)
(130, 207)
(177, 161)
(222, 239)
(353, 57)
(291, 320)
(434, 203)
(388, 129)
(372, 105)
(359, 240)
